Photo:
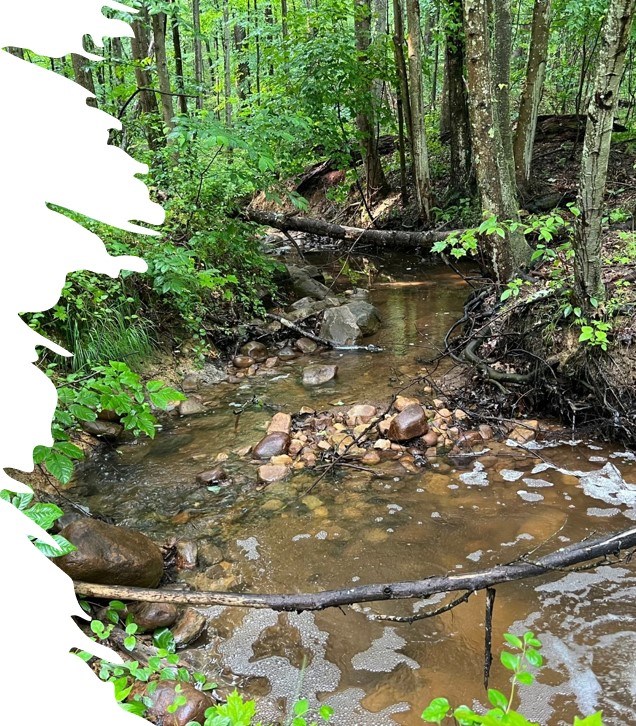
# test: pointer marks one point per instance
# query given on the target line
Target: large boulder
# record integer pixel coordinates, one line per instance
(367, 317)
(305, 285)
(339, 326)
(110, 555)
(408, 424)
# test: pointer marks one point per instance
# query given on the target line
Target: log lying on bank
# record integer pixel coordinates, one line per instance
(311, 225)
(522, 568)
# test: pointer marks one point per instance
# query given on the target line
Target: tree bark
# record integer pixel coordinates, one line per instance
(159, 22)
(84, 76)
(532, 91)
(243, 70)
(227, 63)
(596, 149)
(457, 100)
(198, 52)
(376, 183)
(502, 54)
(178, 62)
(505, 256)
(521, 569)
(319, 227)
(416, 91)
(140, 44)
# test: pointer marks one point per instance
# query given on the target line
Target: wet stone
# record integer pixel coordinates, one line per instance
(165, 694)
(408, 424)
(189, 627)
(153, 615)
(103, 429)
(187, 553)
(281, 422)
(401, 402)
(287, 353)
(270, 473)
(306, 345)
(255, 350)
(360, 414)
(209, 552)
(340, 327)
(311, 502)
(273, 444)
(191, 406)
(242, 361)
(316, 375)
(212, 476)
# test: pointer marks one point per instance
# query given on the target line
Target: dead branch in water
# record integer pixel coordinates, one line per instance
(523, 568)
(320, 228)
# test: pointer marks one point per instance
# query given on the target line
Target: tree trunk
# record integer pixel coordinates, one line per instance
(243, 70)
(502, 54)
(505, 256)
(198, 52)
(532, 91)
(458, 117)
(227, 63)
(178, 63)
(400, 65)
(159, 22)
(84, 76)
(596, 149)
(283, 20)
(416, 91)
(139, 44)
(376, 183)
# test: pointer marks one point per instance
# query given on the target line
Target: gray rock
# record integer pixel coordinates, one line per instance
(209, 553)
(209, 375)
(187, 554)
(212, 476)
(189, 627)
(339, 326)
(273, 444)
(103, 429)
(287, 353)
(110, 555)
(304, 283)
(366, 315)
(191, 406)
(306, 345)
(316, 375)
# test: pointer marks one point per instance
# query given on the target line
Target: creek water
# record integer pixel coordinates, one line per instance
(389, 525)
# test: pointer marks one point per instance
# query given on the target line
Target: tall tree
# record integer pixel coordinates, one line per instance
(375, 180)
(505, 256)
(159, 23)
(84, 76)
(140, 45)
(227, 63)
(198, 52)
(532, 91)
(419, 144)
(178, 61)
(596, 149)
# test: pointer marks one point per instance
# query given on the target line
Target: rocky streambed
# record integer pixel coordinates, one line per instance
(410, 487)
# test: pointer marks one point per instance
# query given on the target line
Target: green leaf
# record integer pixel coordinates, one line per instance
(326, 712)
(497, 699)
(301, 707)
(513, 640)
(525, 678)
(59, 466)
(534, 658)
(510, 661)
(44, 514)
(130, 642)
(436, 711)
(65, 547)
(69, 449)
(596, 719)
(163, 638)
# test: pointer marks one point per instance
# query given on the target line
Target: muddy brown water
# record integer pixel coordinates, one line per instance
(396, 525)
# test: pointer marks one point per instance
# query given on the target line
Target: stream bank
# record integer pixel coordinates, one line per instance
(393, 522)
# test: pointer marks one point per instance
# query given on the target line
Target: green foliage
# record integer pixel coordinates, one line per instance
(523, 656)
(44, 514)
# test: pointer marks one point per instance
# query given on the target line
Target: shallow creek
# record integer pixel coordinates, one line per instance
(393, 525)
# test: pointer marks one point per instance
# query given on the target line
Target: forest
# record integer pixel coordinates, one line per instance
(369, 416)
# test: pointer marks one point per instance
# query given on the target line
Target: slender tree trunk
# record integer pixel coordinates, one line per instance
(416, 88)
(198, 52)
(400, 65)
(505, 255)
(159, 22)
(375, 180)
(139, 44)
(243, 70)
(596, 149)
(227, 63)
(532, 91)
(502, 56)
(458, 115)
(438, 13)
(84, 76)
(283, 20)
(258, 50)
(178, 62)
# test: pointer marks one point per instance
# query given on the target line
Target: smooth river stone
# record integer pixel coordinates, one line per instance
(408, 424)
(316, 375)
(255, 350)
(273, 444)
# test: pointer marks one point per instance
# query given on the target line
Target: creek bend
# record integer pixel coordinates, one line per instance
(387, 525)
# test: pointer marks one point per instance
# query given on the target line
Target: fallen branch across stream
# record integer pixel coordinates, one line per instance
(311, 225)
(593, 549)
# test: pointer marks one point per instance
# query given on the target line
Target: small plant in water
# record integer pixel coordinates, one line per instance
(525, 653)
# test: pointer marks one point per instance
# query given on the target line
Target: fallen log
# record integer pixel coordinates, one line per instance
(320, 228)
(519, 569)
